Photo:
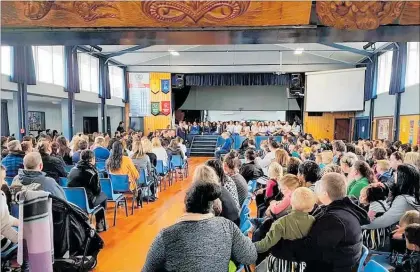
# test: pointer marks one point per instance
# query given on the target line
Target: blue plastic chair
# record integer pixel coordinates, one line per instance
(9, 180)
(145, 181)
(246, 227)
(252, 185)
(373, 266)
(78, 197)
(244, 216)
(63, 182)
(68, 168)
(100, 166)
(177, 163)
(121, 184)
(106, 186)
(163, 173)
(365, 253)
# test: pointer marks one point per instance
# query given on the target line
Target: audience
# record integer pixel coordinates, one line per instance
(64, 150)
(52, 166)
(230, 167)
(14, 159)
(250, 170)
(85, 175)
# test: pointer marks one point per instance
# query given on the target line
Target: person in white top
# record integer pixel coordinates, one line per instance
(237, 129)
(295, 129)
(262, 129)
(7, 221)
(269, 157)
(245, 129)
(159, 151)
(230, 127)
(271, 128)
(287, 128)
(183, 147)
(254, 128)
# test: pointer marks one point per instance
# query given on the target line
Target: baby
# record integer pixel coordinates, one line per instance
(374, 197)
(293, 226)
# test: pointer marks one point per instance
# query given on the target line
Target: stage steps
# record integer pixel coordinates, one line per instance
(203, 145)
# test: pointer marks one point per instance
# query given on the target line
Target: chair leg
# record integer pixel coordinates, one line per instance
(132, 205)
(126, 208)
(160, 183)
(115, 213)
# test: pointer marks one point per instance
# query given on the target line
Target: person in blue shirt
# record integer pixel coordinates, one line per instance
(82, 145)
(101, 153)
(14, 160)
(225, 148)
(195, 129)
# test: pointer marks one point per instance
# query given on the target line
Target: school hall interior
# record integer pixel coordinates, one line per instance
(210, 136)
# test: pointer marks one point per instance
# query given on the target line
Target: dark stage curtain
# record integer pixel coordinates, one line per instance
(4, 119)
(371, 77)
(180, 96)
(125, 85)
(71, 70)
(23, 67)
(243, 79)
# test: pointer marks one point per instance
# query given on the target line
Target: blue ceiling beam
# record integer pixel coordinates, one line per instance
(131, 49)
(348, 49)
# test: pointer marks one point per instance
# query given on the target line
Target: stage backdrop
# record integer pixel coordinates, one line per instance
(160, 92)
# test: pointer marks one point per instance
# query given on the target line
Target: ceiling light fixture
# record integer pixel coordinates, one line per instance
(173, 52)
(299, 51)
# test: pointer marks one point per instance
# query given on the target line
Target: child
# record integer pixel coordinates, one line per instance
(293, 226)
(410, 217)
(326, 158)
(288, 184)
(382, 168)
(374, 197)
(412, 241)
(275, 173)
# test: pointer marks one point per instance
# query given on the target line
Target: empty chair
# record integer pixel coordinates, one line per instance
(63, 182)
(163, 173)
(78, 197)
(365, 253)
(106, 186)
(121, 184)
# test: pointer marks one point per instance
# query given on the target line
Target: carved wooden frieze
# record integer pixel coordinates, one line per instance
(355, 15)
(153, 14)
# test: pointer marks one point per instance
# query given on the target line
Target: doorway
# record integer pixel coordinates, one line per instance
(90, 125)
(342, 129)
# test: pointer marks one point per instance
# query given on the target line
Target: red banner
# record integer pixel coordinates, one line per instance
(165, 107)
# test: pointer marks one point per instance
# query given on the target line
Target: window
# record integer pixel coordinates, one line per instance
(6, 60)
(384, 72)
(88, 73)
(413, 70)
(116, 81)
(49, 64)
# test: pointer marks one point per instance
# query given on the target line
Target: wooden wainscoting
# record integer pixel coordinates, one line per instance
(323, 126)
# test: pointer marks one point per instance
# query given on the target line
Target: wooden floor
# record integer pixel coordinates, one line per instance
(127, 244)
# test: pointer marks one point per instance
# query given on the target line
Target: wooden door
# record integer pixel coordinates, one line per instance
(342, 129)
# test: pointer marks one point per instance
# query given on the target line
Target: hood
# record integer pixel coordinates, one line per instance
(412, 202)
(27, 177)
(349, 206)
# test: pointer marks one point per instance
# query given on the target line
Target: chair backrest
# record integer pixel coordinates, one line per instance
(246, 227)
(143, 177)
(373, 266)
(365, 253)
(100, 166)
(120, 183)
(159, 167)
(68, 168)
(106, 186)
(63, 182)
(9, 180)
(77, 196)
(176, 161)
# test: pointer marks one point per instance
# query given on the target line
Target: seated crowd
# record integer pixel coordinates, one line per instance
(314, 205)
(39, 165)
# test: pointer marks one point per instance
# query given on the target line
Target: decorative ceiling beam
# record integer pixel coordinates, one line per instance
(130, 49)
(348, 49)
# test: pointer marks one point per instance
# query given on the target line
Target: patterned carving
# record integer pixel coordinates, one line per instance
(363, 15)
(87, 10)
(177, 11)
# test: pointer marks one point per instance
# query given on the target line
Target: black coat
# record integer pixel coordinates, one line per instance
(53, 167)
(250, 171)
(153, 158)
(229, 209)
(334, 243)
(85, 175)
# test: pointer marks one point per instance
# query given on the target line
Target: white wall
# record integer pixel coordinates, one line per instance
(246, 115)
(366, 110)
(384, 105)
(410, 100)
(116, 115)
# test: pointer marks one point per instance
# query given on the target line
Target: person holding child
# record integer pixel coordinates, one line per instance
(334, 242)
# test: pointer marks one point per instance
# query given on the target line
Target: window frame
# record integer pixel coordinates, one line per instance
(384, 72)
(412, 73)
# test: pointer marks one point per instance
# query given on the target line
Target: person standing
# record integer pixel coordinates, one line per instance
(120, 127)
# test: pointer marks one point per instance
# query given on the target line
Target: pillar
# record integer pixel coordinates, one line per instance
(67, 116)
(22, 106)
(102, 114)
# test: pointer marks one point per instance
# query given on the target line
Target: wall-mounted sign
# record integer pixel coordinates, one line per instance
(155, 108)
(139, 94)
(166, 107)
(164, 86)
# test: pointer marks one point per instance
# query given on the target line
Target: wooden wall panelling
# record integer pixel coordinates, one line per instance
(366, 15)
(323, 126)
(410, 129)
(157, 14)
(151, 123)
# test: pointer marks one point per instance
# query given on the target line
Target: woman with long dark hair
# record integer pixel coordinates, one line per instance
(405, 197)
(122, 165)
(225, 180)
(64, 150)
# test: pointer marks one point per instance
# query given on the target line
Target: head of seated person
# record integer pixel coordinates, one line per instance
(303, 200)
(201, 196)
(412, 238)
(347, 162)
(331, 168)
(331, 187)
(293, 166)
(309, 173)
(250, 155)
(99, 142)
(410, 217)
(407, 183)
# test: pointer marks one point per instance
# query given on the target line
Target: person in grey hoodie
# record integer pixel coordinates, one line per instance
(32, 177)
(405, 197)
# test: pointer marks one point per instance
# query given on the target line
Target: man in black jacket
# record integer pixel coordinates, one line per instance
(85, 175)
(334, 244)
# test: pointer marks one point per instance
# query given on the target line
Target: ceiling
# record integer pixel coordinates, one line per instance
(239, 58)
